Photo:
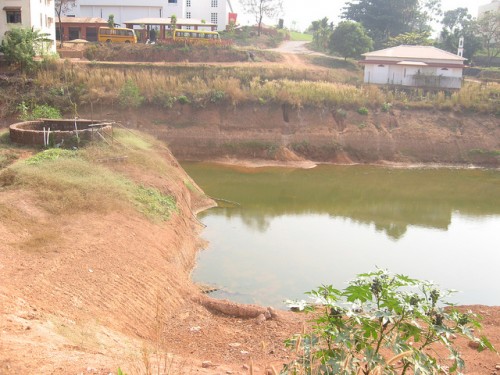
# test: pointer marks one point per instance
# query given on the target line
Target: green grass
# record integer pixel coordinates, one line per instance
(131, 140)
(153, 203)
(68, 181)
(300, 37)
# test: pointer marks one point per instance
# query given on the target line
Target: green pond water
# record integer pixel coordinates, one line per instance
(295, 229)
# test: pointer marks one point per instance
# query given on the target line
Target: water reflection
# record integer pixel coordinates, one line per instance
(297, 229)
(391, 199)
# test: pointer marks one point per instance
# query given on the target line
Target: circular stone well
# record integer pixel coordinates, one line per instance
(33, 133)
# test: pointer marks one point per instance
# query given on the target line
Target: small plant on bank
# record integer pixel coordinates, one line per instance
(386, 107)
(183, 99)
(37, 111)
(382, 323)
(363, 111)
(154, 204)
(130, 96)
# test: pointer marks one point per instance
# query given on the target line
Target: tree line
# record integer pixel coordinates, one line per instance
(376, 24)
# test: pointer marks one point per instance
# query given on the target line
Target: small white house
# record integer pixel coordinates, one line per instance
(38, 14)
(414, 66)
(211, 11)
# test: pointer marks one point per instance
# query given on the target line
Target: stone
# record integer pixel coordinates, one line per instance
(260, 319)
(206, 364)
(473, 344)
(244, 352)
(235, 345)
(273, 312)
(245, 367)
(497, 367)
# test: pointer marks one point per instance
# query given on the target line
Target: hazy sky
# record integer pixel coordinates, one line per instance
(304, 12)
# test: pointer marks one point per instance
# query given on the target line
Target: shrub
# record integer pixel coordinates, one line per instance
(363, 111)
(386, 107)
(38, 111)
(382, 323)
(217, 96)
(20, 45)
(130, 96)
(183, 99)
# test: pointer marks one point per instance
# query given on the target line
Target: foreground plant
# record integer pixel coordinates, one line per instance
(382, 323)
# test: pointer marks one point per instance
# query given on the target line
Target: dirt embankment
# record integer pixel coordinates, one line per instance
(91, 291)
(88, 292)
(280, 132)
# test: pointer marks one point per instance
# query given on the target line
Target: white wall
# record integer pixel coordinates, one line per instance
(202, 9)
(403, 74)
(39, 14)
(126, 10)
(121, 14)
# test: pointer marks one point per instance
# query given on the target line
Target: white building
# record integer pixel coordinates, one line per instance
(491, 7)
(414, 66)
(211, 11)
(38, 14)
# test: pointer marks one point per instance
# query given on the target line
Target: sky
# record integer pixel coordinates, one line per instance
(304, 12)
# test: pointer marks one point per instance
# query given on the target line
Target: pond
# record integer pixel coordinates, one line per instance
(281, 232)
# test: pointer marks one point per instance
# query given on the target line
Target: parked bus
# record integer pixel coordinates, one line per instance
(182, 34)
(116, 35)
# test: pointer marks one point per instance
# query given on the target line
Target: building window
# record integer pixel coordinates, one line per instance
(188, 15)
(444, 68)
(213, 18)
(188, 3)
(172, 1)
(215, 3)
(13, 15)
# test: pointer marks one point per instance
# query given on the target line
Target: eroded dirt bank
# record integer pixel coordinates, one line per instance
(88, 292)
(91, 291)
(326, 135)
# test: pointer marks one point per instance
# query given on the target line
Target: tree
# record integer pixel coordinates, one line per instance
(111, 21)
(382, 323)
(411, 39)
(383, 19)
(62, 7)
(21, 45)
(350, 40)
(173, 23)
(321, 31)
(488, 30)
(459, 23)
(261, 8)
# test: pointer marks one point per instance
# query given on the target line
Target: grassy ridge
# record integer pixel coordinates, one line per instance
(66, 85)
(67, 181)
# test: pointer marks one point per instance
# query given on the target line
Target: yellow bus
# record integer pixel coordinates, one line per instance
(182, 34)
(116, 35)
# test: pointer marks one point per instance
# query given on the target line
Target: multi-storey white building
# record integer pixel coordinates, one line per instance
(38, 14)
(211, 11)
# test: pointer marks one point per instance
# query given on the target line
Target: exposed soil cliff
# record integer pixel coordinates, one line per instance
(89, 284)
(324, 135)
(90, 290)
